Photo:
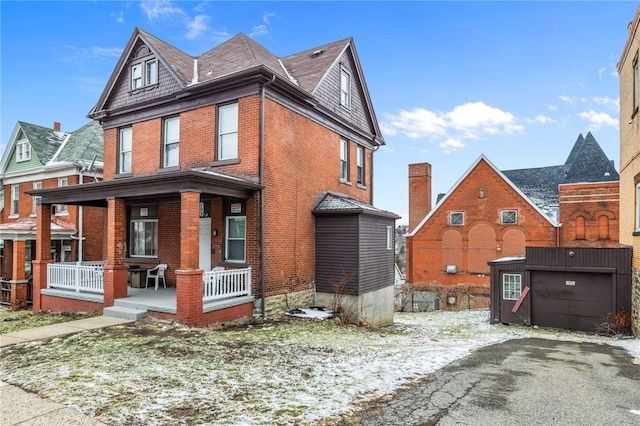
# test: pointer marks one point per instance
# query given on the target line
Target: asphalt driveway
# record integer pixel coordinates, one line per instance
(524, 382)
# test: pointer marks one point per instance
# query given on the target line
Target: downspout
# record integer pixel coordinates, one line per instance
(80, 221)
(261, 173)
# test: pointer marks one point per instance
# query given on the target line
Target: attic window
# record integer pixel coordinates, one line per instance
(345, 89)
(23, 150)
(456, 218)
(509, 217)
(144, 74)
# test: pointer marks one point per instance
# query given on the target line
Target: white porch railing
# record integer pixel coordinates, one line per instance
(86, 277)
(227, 283)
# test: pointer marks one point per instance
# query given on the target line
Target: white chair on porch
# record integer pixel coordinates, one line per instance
(156, 274)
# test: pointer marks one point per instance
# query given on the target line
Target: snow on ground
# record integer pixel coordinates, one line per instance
(292, 372)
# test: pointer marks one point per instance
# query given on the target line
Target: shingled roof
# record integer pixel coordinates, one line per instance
(44, 141)
(334, 203)
(586, 163)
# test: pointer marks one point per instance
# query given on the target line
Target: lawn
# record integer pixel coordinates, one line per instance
(280, 372)
(11, 321)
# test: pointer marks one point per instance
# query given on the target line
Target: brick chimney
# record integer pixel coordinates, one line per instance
(419, 193)
(56, 126)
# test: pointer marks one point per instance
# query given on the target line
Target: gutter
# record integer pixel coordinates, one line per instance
(261, 172)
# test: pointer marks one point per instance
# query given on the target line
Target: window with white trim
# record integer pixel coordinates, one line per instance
(345, 89)
(228, 132)
(638, 207)
(34, 203)
(389, 237)
(511, 286)
(15, 199)
(62, 208)
(171, 141)
(508, 217)
(23, 150)
(125, 147)
(360, 165)
(636, 87)
(344, 160)
(456, 218)
(144, 73)
(235, 244)
(144, 238)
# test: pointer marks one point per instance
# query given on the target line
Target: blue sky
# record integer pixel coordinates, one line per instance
(515, 81)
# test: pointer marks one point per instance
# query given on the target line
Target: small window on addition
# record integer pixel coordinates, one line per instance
(509, 217)
(456, 218)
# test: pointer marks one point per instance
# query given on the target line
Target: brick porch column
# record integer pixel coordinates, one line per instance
(19, 282)
(189, 277)
(115, 271)
(43, 253)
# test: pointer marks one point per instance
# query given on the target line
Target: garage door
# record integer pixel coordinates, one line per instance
(576, 301)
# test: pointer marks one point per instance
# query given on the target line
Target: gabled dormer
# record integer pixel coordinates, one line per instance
(30, 147)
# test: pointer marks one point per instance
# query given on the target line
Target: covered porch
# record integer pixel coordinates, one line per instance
(170, 207)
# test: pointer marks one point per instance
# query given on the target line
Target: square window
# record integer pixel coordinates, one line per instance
(511, 286)
(509, 217)
(456, 218)
(228, 132)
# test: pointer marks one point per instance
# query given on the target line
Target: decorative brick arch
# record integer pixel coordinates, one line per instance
(482, 248)
(451, 249)
(513, 242)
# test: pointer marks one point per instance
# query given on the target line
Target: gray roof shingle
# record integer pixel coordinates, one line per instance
(333, 202)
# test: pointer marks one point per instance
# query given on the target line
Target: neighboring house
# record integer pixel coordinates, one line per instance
(628, 70)
(40, 157)
(220, 166)
(489, 214)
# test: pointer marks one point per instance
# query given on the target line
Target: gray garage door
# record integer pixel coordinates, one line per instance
(576, 301)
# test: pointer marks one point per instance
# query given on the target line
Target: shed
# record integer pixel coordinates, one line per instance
(354, 258)
(562, 287)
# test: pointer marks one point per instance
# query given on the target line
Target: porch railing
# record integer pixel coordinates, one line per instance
(86, 277)
(226, 283)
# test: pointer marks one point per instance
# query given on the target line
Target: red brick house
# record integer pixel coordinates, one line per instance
(214, 165)
(43, 157)
(490, 214)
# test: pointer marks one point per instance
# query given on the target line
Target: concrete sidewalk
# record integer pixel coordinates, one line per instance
(24, 408)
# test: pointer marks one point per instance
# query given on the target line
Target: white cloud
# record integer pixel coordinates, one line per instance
(598, 119)
(197, 26)
(605, 100)
(600, 71)
(542, 119)
(119, 18)
(258, 30)
(552, 107)
(160, 9)
(266, 16)
(567, 99)
(473, 120)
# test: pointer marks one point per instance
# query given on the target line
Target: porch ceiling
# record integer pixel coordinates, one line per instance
(167, 184)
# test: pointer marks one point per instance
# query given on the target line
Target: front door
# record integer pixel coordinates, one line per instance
(205, 243)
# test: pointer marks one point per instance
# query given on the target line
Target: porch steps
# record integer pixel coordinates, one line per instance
(122, 312)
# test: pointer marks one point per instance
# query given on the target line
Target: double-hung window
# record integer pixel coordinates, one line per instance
(390, 237)
(15, 199)
(144, 73)
(235, 247)
(171, 141)
(62, 208)
(34, 203)
(360, 164)
(228, 132)
(144, 237)
(638, 207)
(511, 286)
(345, 89)
(344, 160)
(23, 150)
(636, 87)
(125, 145)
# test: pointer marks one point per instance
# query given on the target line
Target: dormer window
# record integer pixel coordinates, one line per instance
(345, 89)
(23, 150)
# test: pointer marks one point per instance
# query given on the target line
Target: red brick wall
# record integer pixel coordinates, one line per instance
(481, 238)
(599, 205)
(419, 193)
